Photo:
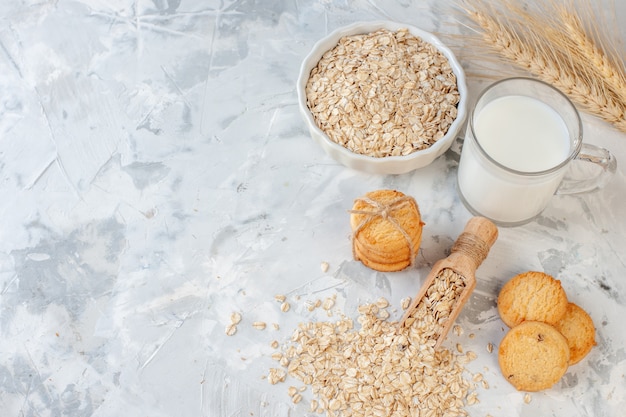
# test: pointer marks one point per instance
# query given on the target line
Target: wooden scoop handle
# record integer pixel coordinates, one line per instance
(475, 240)
(483, 229)
(468, 252)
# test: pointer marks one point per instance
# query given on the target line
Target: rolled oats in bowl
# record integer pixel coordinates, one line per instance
(382, 97)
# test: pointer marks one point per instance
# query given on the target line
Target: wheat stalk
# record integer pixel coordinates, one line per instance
(536, 45)
(607, 69)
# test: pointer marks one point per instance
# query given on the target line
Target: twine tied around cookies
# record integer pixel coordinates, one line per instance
(384, 211)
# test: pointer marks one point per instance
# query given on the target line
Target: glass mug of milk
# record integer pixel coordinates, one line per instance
(521, 137)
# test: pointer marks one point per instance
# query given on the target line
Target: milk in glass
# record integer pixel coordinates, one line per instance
(522, 134)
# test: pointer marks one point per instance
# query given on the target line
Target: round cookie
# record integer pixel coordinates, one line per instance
(382, 267)
(387, 230)
(533, 356)
(532, 296)
(379, 256)
(577, 327)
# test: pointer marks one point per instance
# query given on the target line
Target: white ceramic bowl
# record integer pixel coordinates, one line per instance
(389, 164)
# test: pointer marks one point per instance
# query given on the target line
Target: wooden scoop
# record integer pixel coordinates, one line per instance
(467, 253)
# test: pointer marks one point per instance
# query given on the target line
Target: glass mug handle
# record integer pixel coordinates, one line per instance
(590, 170)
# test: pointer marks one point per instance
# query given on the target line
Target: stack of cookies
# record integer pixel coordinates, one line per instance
(548, 333)
(386, 230)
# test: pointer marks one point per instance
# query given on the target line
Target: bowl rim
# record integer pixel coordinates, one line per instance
(330, 41)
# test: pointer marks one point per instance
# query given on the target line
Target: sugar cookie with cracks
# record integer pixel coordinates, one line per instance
(577, 327)
(533, 356)
(532, 296)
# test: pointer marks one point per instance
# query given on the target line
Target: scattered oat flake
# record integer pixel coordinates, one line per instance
(324, 266)
(405, 303)
(259, 325)
(231, 329)
(235, 318)
(274, 344)
(458, 330)
(276, 375)
(382, 302)
(328, 303)
(335, 405)
(527, 398)
(489, 347)
(285, 306)
(472, 398)
(280, 298)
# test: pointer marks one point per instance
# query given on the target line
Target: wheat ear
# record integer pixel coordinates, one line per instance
(544, 62)
(583, 45)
